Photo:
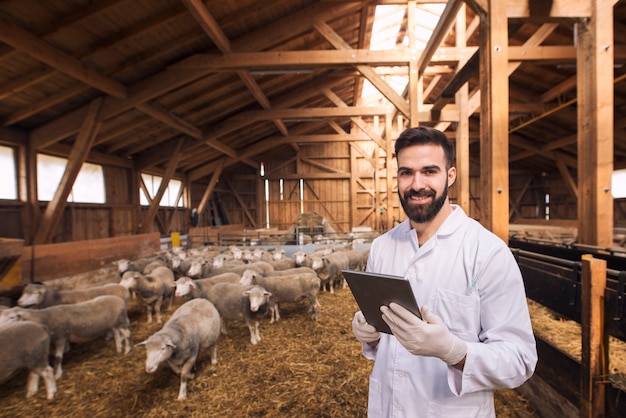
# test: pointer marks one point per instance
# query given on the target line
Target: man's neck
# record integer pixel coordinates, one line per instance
(426, 230)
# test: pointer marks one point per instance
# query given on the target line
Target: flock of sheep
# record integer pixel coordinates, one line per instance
(218, 286)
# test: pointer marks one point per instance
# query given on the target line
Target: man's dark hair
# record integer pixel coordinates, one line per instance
(423, 135)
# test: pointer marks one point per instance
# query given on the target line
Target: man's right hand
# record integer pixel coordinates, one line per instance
(363, 331)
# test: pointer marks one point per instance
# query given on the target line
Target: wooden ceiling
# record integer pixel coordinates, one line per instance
(230, 81)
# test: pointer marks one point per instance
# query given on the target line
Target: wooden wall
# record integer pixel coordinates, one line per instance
(346, 183)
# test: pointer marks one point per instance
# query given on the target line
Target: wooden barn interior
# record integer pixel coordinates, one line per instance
(272, 122)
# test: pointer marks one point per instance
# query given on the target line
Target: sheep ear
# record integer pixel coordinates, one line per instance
(267, 294)
(193, 284)
(170, 343)
(246, 293)
(141, 344)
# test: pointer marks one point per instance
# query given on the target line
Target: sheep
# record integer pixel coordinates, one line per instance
(288, 288)
(292, 271)
(38, 295)
(124, 265)
(283, 264)
(330, 272)
(260, 266)
(194, 325)
(303, 259)
(356, 259)
(225, 260)
(152, 289)
(77, 323)
(236, 302)
(26, 345)
(191, 289)
(149, 268)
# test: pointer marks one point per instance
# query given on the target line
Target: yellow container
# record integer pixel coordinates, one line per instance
(175, 239)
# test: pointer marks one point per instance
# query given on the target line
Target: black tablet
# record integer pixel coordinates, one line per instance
(372, 290)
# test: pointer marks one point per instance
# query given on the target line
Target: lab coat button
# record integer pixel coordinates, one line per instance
(401, 374)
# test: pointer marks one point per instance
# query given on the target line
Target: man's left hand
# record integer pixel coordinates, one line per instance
(428, 337)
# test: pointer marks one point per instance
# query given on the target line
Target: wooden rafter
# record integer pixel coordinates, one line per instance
(80, 150)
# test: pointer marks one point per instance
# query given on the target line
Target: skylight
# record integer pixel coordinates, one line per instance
(389, 31)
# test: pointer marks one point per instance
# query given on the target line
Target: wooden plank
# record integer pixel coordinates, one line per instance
(494, 112)
(595, 125)
(594, 355)
(51, 261)
(462, 129)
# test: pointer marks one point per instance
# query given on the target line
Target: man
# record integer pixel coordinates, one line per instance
(475, 335)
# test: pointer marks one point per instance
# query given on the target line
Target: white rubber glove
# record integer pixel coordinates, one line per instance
(428, 337)
(363, 331)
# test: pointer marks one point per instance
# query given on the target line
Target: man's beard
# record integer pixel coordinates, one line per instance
(423, 213)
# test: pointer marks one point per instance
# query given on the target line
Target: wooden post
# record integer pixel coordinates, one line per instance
(595, 90)
(594, 363)
(494, 119)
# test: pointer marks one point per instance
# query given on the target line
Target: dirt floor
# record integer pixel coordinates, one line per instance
(300, 368)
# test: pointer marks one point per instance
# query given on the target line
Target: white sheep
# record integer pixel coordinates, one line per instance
(26, 345)
(191, 289)
(152, 289)
(39, 295)
(194, 325)
(77, 323)
(241, 302)
(331, 271)
(287, 288)
(124, 265)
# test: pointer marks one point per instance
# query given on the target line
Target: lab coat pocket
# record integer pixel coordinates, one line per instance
(374, 401)
(460, 312)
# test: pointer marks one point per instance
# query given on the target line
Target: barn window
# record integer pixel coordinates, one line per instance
(618, 187)
(88, 186)
(267, 203)
(8, 186)
(301, 195)
(172, 196)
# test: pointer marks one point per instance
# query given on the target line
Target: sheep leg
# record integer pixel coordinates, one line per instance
(149, 312)
(47, 375)
(51, 385)
(254, 338)
(213, 354)
(59, 348)
(315, 306)
(125, 332)
(33, 383)
(117, 339)
(157, 308)
(186, 375)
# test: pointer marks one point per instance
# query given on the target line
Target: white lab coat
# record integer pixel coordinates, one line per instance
(469, 278)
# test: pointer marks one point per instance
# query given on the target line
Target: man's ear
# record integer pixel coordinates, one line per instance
(451, 176)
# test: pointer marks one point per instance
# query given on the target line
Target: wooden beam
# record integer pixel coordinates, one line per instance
(148, 218)
(594, 352)
(462, 130)
(446, 20)
(169, 80)
(80, 150)
(537, 9)
(242, 203)
(385, 89)
(205, 19)
(211, 186)
(40, 50)
(494, 111)
(595, 125)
